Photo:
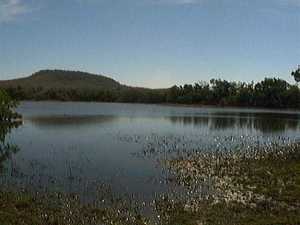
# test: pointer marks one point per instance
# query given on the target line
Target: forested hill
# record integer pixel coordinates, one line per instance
(57, 79)
(65, 85)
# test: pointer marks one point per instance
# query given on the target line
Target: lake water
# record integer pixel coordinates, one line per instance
(74, 147)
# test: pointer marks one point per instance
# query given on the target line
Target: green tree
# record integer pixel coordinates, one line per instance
(7, 106)
(172, 94)
(271, 92)
(296, 75)
(222, 90)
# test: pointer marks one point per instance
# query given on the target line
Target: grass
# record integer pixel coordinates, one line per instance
(272, 176)
(27, 209)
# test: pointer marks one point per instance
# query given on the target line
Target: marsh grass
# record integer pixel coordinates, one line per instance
(56, 209)
(257, 186)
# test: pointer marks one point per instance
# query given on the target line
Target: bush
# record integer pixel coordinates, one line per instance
(7, 106)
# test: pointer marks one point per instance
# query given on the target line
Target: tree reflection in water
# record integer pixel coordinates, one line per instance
(263, 122)
(7, 149)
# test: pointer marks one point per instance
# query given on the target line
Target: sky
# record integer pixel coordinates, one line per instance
(152, 43)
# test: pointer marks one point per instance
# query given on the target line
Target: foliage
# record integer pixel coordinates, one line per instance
(296, 75)
(7, 104)
(77, 86)
(6, 149)
(271, 92)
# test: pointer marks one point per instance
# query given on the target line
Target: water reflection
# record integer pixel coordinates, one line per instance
(6, 148)
(75, 120)
(263, 122)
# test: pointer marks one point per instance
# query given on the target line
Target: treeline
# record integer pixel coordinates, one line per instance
(271, 93)
(124, 94)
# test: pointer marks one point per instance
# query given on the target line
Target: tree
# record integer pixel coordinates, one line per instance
(172, 94)
(7, 105)
(296, 75)
(222, 89)
(271, 92)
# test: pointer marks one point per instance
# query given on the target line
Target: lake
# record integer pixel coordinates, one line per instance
(75, 147)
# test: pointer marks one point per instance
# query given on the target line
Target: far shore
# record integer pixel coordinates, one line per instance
(179, 105)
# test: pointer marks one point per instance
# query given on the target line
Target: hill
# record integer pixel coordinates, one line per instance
(65, 85)
(58, 79)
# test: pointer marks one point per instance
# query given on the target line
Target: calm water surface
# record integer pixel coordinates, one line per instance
(72, 147)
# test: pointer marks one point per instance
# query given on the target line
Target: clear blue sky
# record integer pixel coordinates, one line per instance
(154, 43)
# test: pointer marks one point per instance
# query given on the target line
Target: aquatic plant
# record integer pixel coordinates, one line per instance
(242, 184)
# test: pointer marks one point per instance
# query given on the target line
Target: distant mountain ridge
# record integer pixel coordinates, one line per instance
(57, 79)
